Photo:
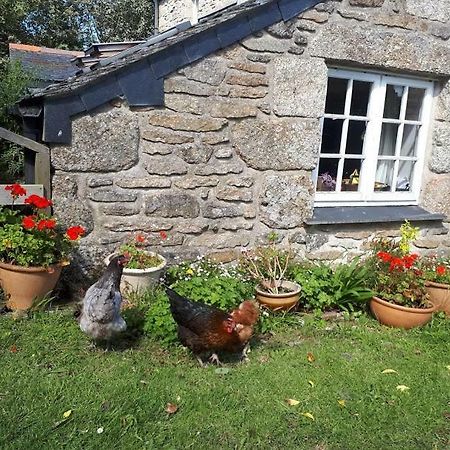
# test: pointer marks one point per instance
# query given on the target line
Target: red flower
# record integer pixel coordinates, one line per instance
(440, 270)
(396, 263)
(140, 238)
(16, 190)
(384, 256)
(163, 235)
(73, 233)
(46, 223)
(28, 222)
(38, 202)
(408, 260)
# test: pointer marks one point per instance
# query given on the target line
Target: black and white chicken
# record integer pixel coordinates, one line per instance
(100, 316)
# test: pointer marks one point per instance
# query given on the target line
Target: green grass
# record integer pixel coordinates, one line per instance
(47, 368)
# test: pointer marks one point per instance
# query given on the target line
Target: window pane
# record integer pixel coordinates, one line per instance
(331, 135)
(350, 179)
(388, 139)
(393, 101)
(384, 175)
(336, 92)
(326, 181)
(405, 175)
(414, 105)
(360, 98)
(355, 137)
(409, 140)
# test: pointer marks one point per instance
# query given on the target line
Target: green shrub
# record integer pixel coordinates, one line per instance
(203, 281)
(343, 287)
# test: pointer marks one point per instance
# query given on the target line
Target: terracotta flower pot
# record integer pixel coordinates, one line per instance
(284, 301)
(24, 285)
(134, 280)
(439, 295)
(400, 316)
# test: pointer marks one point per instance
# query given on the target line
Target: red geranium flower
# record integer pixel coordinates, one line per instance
(38, 202)
(46, 223)
(140, 238)
(28, 222)
(440, 270)
(396, 263)
(16, 190)
(163, 235)
(73, 233)
(384, 256)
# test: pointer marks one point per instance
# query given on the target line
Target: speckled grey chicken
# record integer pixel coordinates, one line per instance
(100, 317)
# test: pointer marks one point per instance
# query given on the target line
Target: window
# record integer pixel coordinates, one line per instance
(374, 133)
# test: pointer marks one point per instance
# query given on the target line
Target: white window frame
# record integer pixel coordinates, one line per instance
(366, 196)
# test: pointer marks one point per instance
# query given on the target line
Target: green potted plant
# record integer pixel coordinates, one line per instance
(267, 266)
(436, 273)
(401, 299)
(33, 249)
(144, 267)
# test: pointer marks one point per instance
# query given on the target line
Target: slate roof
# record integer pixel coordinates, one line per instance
(46, 64)
(137, 74)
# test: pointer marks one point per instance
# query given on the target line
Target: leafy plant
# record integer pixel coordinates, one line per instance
(435, 269)
(33, 239)
(325, 288)
(267, 265)
(139, 257)
(396, 272)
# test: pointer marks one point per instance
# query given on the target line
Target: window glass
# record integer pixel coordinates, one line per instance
(384, 175)
(350, 177)
(336, 93)
(355, 137)
(414, 105)
(360, 98)
(388, 139)
(405, 174)
(409, 140)
(328, 168)
(393, 101)
(331, 135)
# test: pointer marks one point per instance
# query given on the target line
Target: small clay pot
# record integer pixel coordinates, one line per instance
(284, 301)
(439, 295)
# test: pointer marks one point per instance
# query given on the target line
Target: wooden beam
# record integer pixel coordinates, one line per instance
(23, 141)
(42, 172)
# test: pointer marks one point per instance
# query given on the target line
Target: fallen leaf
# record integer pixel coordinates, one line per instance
(389, 371)
(402, 388)
(341, 403)
(67, 413)
(143, 382)
(222, 370)
(178, 398)
(308, 415)
(311, 383)
(171, 408)
(100, 430)
(13, 348)
(448, 367)
(310, 357)
(263, 359)
(292, 402)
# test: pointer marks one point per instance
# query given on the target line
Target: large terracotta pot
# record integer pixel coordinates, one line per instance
(284, 301)
(439, 295)
(134, 280)
(400, 316)
(24, 285)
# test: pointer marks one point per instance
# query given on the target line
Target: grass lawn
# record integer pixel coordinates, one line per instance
(118, 399)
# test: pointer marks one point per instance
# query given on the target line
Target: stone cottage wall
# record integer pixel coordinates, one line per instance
(230, 156)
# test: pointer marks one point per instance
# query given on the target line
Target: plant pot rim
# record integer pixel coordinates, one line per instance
(405, 308)
(31, 269)
(285, 283)
(437, 285)
(128, 271)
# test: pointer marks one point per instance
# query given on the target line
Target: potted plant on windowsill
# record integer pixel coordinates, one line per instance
(436, 273)
(401, 298)
(33, 249)
(267, 265)
(144, 267)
